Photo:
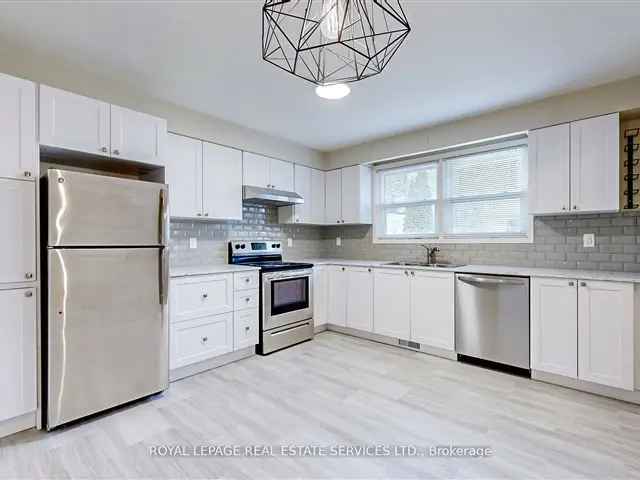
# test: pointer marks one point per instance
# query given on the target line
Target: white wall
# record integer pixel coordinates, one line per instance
(613, 97)
(42, 69)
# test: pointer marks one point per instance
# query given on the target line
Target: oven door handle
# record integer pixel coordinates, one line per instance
(287, 275)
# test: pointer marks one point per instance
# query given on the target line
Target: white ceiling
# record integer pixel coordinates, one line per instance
(462, 58)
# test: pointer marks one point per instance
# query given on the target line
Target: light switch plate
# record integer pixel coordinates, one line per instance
(289, 242)
(193, 243)
(338, 242)
(589, 240)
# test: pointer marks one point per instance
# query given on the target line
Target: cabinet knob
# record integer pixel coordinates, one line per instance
(205, 339)
(337, 221)
(206, 214)
(27, 174)
(199, 214)
(205, 295)
(413, 274)
(248, 299)
(369, 270)
(246, 329)
(406, 273)
(103, 149)
(583, 284)
(343, 269)
(564, 208)
(28, 275)
(571, 284)
(28, 294)
(247, 280)
(116, 152)
(575, 207)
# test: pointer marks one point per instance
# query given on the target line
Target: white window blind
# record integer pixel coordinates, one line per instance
(480, 194)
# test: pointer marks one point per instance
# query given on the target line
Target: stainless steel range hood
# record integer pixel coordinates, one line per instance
(269, 196)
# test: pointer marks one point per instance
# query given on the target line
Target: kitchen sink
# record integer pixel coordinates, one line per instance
(426, 264)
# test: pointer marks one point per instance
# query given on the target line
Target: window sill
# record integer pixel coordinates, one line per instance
(436, 240)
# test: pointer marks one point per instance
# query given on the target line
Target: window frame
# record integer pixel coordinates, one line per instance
(441, 237)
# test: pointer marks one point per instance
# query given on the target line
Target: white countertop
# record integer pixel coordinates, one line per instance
(492, 270)
(208, 270)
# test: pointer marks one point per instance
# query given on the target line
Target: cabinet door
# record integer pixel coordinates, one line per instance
(281, 175)
(432, 304)
(303, 188)
(333, 200)
(200, 339)
(137, 136)
(255, 170)
(360, 299)
(605, 333)
(245, 326)
(317, 197)
(18, 128)
(74, 122)
(549, 160)
(595, 164)
(17, 352)
(222, 182)
(554, 326)
(391, 307)
(183, 173)
(337, 296)
(320, 295)
(18, 233)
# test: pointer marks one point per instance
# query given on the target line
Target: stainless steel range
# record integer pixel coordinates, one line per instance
(286, 294)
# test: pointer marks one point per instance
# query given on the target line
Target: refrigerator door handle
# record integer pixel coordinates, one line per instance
(162, 223)
(164, 275)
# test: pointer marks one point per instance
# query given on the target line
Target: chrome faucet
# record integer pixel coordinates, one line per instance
(431, 253)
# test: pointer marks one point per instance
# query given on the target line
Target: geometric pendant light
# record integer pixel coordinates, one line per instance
(330, 42)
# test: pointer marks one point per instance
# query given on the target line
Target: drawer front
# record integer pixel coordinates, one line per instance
(245, 329)
(247, 281)
(193, 341)
(247, 299)
(197, 297)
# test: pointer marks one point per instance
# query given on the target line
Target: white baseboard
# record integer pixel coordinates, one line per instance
(17, 424)
(320, 328)
(589, 387)
(211, 363)
(374, 337)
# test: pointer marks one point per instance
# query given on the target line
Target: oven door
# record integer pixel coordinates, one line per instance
(286, 298)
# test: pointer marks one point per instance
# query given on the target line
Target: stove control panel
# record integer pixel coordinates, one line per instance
(252, 247)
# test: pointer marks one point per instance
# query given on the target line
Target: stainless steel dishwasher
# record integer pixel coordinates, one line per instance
(492, 319)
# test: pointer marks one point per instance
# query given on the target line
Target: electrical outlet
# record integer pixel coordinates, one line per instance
(289, 242)
(193, 243)
(589, 240)
(338, 242)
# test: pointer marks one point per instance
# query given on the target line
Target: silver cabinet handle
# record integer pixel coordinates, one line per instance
(28, 275)
(116, 152)
(27, 174)
(103, 149)
(571, 284)
(583, 284)
(28, 294)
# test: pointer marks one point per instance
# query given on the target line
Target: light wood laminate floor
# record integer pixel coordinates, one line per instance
(340, 390)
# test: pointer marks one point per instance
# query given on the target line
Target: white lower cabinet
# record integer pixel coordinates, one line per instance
(584, 329)
(196, 340)
(18, 395)
(391, 306)
(198, 296)
(245, 328)
(337, 296)
(320, 295)
(432, 309)
(359, 299)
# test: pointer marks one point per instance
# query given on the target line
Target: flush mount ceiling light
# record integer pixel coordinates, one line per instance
(328, 42)
(333, 92)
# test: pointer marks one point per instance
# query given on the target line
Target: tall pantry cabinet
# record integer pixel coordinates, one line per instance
(18, 270)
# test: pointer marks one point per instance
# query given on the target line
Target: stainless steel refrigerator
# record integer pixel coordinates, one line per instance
(106, 329)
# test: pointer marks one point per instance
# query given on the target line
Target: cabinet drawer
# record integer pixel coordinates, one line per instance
(246, 280)
(245, 329)
(247, 299)
(197, 340)
(201, 296)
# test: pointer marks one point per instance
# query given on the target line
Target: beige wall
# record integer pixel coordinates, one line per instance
(613, 97)
(47, 70)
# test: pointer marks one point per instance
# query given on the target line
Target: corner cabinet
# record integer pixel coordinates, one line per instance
(72, 122)
(205, 180)
(349, 195)
(584, 329)
(575, 167)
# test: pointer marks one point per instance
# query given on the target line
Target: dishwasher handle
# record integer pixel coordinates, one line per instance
(490, 281)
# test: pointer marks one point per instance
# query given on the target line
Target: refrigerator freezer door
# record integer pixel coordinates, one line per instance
(107, 330)
(96, 210)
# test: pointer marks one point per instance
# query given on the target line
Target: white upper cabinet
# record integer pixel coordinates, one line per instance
(549, 160)
(18, 370)
(337, 296)
(222, 182)
(183, 173)
(333, 202)
(595, 164)
(282, 177)
(391, 304)
(360, 298)
(256, 170)
(137, 136)
(575, 167)
(317, 197)
(432, 304)
(606, 333)
(266, 172)
(18, 142)
(74, 122)
(18, 233)
(554, 326)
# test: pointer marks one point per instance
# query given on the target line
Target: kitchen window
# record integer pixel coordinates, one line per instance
(458, 196)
